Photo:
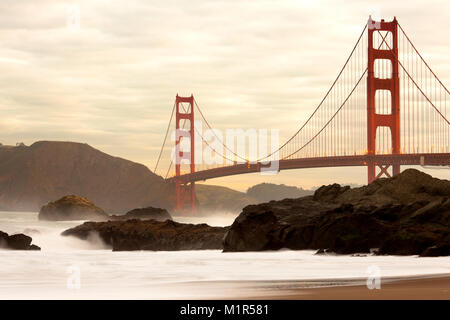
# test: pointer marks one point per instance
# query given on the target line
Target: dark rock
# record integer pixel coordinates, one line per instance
(16, 242)
(326, 193)
(72, 208)
(261, 223)
(410, 240)
(436, 251)
(403, 215)
(120, 244)
(34, 248)
(152, 235)
(144, 214)
(19, 242)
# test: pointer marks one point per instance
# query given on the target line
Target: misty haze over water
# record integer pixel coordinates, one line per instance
(104, 274)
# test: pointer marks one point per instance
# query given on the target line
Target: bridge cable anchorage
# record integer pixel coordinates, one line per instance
(423, 60)
(165, 138)
(337, 111)
(209, 126)
(407, 73)
(321, 102)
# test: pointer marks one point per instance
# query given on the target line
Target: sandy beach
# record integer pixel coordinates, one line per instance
(429, 288)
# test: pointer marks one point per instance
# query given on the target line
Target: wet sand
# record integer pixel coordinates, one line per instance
(430, 288)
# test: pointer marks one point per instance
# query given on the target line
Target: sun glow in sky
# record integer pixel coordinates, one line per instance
(110, 78)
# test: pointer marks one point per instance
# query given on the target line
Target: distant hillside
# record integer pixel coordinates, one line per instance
(222, 199)
(45, 171)
(265, 192)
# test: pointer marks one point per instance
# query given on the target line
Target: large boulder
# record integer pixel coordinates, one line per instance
(72, 207)
(148, 213)
(16, 242)
(408, 214)
(151, 235)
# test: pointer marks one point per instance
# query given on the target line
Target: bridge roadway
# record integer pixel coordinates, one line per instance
(424, 159)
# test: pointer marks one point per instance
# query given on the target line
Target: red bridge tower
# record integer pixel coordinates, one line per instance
(375, 120)
(185, 194)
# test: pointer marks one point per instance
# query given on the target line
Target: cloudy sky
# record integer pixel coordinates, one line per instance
(111, 80)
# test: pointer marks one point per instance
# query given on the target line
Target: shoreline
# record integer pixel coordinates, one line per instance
(427, 287)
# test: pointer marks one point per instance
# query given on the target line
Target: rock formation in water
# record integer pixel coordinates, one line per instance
(151, 235)
(16, 242)
(72, 207)
(408, 214)
(148, 213)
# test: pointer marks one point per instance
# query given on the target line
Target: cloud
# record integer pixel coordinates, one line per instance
(112, 83)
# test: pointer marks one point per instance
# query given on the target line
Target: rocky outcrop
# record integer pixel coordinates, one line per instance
(144, 214)
(408, 214)
(151, 235)
(16, 242)
(72, 208)
(31, 176)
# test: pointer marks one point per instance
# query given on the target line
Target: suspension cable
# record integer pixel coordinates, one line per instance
(321, 102)
(342, 105)
(407, 73)
(209, 126)
(165, 138)
(410, 42)
(204, 140)
(329, 121)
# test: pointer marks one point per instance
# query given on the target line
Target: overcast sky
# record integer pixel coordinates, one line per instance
(250, 64)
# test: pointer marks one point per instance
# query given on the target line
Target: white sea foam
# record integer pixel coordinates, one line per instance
(174, 275)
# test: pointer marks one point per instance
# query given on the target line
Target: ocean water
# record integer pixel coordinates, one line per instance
(68, 268)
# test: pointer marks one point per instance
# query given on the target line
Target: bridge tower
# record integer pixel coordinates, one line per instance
(185, 193)
(375, 120)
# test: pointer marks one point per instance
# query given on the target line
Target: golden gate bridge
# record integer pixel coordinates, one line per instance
(386, 108)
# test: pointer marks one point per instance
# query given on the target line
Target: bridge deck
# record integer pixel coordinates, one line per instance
(432, 159)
